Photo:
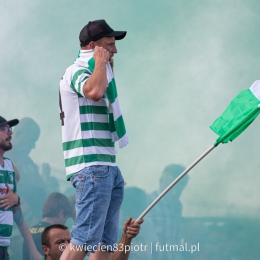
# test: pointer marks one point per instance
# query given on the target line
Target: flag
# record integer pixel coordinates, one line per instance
(240, 113)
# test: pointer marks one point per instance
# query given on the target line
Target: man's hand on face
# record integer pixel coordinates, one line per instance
(8, 200)
(101, 55)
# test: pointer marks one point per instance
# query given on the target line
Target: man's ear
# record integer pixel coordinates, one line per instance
(45, 250)
(91, 45)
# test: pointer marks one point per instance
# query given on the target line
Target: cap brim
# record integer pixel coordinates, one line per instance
(12, 123)
(119, 35)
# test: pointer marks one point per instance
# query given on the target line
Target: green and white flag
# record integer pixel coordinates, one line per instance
(240, 113)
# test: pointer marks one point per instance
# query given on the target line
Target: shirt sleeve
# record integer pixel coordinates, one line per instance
(79, 79)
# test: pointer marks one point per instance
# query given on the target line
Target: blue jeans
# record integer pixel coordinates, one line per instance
(99, 194)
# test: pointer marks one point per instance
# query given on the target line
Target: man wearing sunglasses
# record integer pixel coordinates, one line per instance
(8, 198)
(9, 201)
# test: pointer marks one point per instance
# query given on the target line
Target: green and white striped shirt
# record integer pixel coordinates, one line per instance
(86, 131)
(7, 175)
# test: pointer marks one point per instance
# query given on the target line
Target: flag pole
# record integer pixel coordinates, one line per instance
(240, 113)
(175, 181)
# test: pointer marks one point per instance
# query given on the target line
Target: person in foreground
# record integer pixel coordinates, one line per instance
(91, 123)
(56, 238)
(9, 201)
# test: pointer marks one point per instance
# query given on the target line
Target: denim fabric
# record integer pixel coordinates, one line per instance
(99, 194)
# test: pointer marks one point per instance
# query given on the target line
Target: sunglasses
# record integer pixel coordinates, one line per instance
(6, 129)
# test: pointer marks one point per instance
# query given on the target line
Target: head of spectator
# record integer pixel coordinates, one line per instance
(99, 33)
(170, 173)
(6, 135)
(55, 239)
(26, 135)
(57, 209)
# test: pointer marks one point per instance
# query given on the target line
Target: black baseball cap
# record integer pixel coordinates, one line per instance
(11, 123)
(96, 30)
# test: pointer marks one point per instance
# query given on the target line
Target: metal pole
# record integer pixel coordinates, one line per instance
(175, 181)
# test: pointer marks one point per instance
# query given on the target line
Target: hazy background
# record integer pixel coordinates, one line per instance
(179, 66)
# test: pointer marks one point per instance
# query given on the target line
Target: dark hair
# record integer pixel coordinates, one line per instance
(45, 239)
(54, 203)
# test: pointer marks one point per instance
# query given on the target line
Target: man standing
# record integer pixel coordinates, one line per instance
(9, 201)
(7, 186)
(91, 122)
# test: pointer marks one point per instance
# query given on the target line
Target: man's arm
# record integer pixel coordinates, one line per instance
(21, 223)
(130, 230)
(25, 232)
(95, 87)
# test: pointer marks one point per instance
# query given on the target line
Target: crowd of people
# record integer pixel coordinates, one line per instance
(45, 206)
(89, 104)
(56, 210)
